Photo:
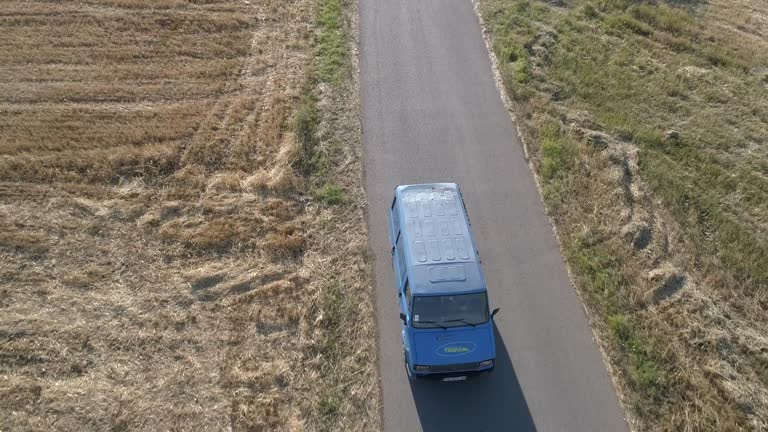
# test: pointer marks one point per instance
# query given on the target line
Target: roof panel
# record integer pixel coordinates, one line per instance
(448, 250)
(437, 236)
(433, 246)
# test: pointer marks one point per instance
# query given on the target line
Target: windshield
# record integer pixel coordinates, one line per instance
(450, 310)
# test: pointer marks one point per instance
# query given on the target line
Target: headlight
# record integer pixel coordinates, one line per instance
(421, 368)
(486, 363)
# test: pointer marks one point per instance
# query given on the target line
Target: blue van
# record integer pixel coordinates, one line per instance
(447, 328)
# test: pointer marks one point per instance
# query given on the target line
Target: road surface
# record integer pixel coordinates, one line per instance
(431, 113)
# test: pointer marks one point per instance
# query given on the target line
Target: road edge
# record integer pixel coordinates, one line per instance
(508, 103)
(352, 15)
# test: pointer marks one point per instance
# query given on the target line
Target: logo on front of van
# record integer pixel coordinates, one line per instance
(455, 349)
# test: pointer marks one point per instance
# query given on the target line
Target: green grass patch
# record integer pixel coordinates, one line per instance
(627, 23)
(645, 367)
(339, 319)
(514, 29)
(599, 270)
(693, 189)
(330, 194)
(590, 11)
(330, 407)
(332, 52)
(664, 18)
(558, 152)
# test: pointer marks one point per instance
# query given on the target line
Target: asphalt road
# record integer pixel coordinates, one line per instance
(431, 113)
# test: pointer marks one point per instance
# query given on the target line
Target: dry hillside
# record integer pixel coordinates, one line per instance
(646, 122)
(178, 250)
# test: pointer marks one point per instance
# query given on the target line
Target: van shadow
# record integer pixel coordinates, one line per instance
(489, 402)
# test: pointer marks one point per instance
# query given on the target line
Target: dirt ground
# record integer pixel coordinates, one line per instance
(163, 262)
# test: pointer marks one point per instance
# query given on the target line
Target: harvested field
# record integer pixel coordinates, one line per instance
(646, 124)
(165, 260)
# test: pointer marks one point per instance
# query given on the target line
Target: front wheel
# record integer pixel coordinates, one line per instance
(408, 373)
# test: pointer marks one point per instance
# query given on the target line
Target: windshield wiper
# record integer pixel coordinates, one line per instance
(433, 322)
(462, 320)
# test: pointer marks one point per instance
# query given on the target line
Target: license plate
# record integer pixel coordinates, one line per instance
(457, 378)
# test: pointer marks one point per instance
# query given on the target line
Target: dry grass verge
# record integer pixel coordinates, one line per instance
(165, 261)
(646, 123)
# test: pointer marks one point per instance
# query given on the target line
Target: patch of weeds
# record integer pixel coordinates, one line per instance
(330, 406)
(676, 43)
(613, 5)
(513, 27)
(528, 10)
(521, 68)
(644, 366)
(516, 64)
(317, 165)
(651, 139)
(599, 268)
(663, 17)
(691, 186)
(557, 152)
(337, 311)
(330, 194)
(723, 57)
(627, 23)
(305, 127)
(569, 26)
(590, 11)
(332, 51)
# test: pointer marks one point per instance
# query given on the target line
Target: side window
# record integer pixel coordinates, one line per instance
(395, 218)
(400, 258)
(408, 292)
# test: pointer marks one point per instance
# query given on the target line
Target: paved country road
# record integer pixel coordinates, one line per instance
(431, 113)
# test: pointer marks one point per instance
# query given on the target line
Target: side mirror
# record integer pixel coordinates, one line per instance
(495, 311)
(402, 317)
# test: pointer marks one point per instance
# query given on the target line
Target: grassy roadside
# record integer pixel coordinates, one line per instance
(330, 138)
(646, 123)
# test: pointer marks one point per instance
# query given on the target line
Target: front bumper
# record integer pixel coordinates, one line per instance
(445, 371)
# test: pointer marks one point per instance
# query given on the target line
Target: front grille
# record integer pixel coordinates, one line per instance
(455, 367)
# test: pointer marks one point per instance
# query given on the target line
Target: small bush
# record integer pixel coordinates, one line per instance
(522, 69)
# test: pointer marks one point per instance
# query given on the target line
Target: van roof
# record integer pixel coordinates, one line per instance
(440, 252)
